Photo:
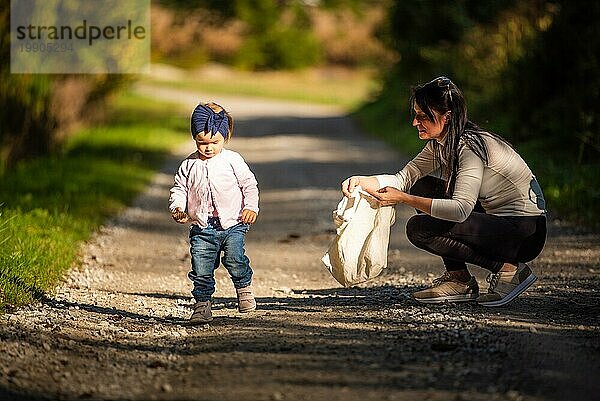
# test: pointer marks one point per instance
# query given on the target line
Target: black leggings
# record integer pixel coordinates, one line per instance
(482, 239)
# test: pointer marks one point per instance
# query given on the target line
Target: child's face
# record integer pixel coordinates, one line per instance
(209, 146)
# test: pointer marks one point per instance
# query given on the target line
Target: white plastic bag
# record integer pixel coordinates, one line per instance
(359, 250)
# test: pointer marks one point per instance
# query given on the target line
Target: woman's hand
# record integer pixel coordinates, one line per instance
(248, 216)
(388, 196)
(180, 216)
(349, 184)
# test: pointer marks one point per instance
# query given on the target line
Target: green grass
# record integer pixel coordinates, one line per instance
(571, 189)
(48, 206)
(338, 87)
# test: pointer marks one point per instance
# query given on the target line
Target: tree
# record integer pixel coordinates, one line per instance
(555, 86)
(38, 110)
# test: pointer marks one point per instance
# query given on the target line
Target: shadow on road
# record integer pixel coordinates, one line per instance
(400, 348)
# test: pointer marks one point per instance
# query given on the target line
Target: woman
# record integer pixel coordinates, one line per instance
(478, 201)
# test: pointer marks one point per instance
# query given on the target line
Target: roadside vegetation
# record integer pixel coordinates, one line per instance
(524, 76)
(344, 87)
(51, 204)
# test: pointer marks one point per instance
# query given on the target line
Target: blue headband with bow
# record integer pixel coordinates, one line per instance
(204, 119)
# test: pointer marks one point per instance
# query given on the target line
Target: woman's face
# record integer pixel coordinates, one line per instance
(209, 146)
(430, 129)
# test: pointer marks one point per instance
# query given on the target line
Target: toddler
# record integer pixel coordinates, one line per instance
(216, 192)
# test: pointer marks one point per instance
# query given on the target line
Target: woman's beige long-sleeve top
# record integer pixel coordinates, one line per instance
(505, 186)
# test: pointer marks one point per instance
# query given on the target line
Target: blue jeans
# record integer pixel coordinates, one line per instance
(206, 246)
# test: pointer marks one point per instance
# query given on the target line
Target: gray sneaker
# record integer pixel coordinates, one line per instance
(202, 313)
(506, 286)
(246, 301)
(448, 289)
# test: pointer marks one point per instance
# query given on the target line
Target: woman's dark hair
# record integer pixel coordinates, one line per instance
(442, 95)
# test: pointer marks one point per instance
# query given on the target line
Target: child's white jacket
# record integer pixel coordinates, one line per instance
(232, 185)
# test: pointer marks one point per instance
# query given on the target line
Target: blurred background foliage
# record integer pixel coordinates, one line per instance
(269, 34)
(529, 70)
(37, 111)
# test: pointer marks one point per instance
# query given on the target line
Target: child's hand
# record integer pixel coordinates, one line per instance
(248, 216)
(180, 216)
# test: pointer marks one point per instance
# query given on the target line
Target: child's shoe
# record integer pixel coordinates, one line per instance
(246, 301)
(202, 313)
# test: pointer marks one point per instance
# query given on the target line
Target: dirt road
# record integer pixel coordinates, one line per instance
(114, 329)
